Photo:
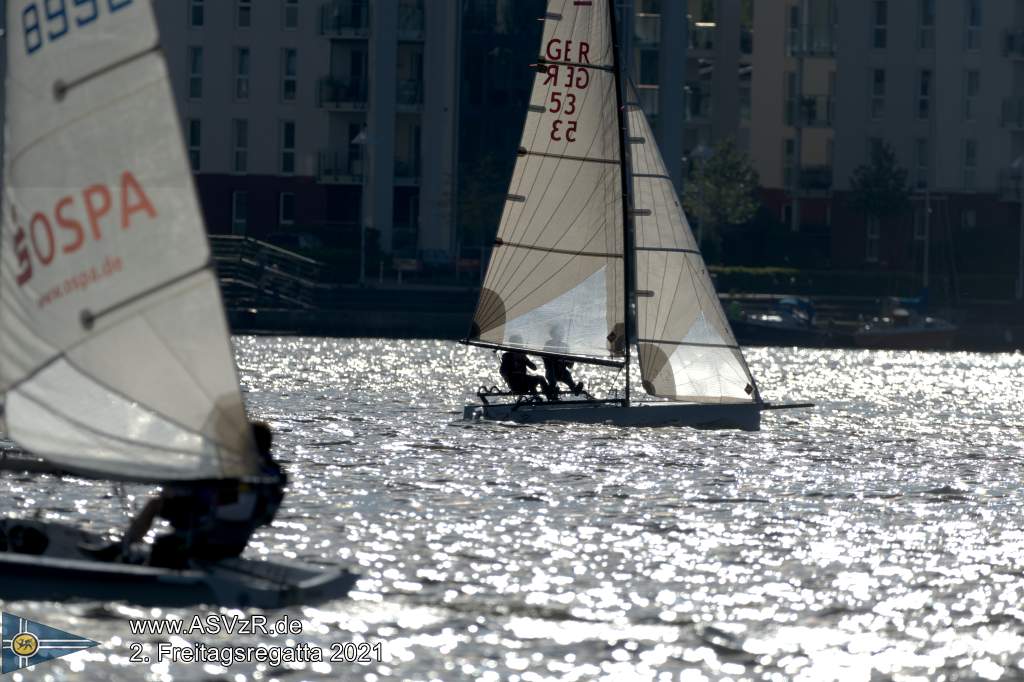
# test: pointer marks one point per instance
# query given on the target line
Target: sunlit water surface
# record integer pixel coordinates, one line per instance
(875, 537)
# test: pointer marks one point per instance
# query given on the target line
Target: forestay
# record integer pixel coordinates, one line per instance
(114, 352)
(555, 281)
(686, 347)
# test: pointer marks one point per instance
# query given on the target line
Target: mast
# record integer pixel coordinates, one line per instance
(627, 192)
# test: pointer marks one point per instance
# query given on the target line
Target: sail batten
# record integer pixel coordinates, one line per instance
(115, 358)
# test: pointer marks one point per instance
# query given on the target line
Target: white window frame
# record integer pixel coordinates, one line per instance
(289, 15)
(972, 32)
(193, 7)
(281, 220)
(195, 72)
(239, 223)
(879, 30)
(878, 94)
(287, 156)
(243, 13)
(240, 145)
(289, 78)
(195, 144)
(926, 32)
(243, 58)
(970, 156)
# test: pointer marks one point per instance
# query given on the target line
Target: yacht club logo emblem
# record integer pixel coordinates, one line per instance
(27, 643)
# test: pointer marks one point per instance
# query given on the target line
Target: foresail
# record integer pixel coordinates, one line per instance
(687, 349)
(114, 351)
(555, 281)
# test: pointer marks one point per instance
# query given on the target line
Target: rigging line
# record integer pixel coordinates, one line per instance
(61, 88)
(88, 318)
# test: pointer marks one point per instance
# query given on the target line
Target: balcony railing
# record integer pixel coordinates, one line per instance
(816, 111)
(816, 179)
(1013, 112)
(334, 93)
(648, 29)
(1010, 185)
(821, 42)
(345, 19)
(407, 171)
(649, 99)
(698, 104)
(702, 38)
(1013, 43)
(339, 168)
(410, 94)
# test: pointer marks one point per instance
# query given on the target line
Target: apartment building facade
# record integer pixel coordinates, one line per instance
(942, 83)
(315, 118)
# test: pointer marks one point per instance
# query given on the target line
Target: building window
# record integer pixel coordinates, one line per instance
(195, 132)
(926, 36)
(880, 24)
(286, 208)
(289, 59)
(196, 14)
(288, 147)
(968, 219)
(877, 94)
(240, 140)
(973, 40)
(924, 94)
(241, 73)
(874, 236)
(788, 161)
(793, 42)
(789, 112)
(921, 163)
(290, 20)
(970, 163)
(243, 13)
(239, 212)
(745, 99)
(875, 146)
(921, 222)
(972, 88)
(195, 72)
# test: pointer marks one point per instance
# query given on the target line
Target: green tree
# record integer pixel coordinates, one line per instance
(879, 189)
(721, 190)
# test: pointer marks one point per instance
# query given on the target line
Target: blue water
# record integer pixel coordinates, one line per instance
(876, 537)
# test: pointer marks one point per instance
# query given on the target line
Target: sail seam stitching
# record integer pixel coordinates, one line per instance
(568, 252)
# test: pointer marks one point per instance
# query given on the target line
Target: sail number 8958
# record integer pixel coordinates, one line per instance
(50, 20)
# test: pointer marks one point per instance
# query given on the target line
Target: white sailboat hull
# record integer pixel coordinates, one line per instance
(62, 572)
(743, 416)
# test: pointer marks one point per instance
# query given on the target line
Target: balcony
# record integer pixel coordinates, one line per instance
(410, 23)
(821, 42)
(816, 111)
(345, 19)
(698, 104)
(407, 172)
(815, 180)
(1013, 113)
(1013, 43)
(339, 95)
(649, 99)
(702, 37)
(647, 29)
(410, 95)
(336, 168)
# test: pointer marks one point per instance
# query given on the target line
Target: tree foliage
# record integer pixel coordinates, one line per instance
(722, 189)
(880, 188)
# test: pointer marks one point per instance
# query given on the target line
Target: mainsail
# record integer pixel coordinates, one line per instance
(114, 351)
(686, 347)
(556, 278)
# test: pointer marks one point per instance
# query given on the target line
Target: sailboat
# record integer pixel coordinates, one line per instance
(594, 256)
(115, 357)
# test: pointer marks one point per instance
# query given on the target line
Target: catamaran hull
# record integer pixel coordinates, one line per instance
(745, 416)
(62, 572)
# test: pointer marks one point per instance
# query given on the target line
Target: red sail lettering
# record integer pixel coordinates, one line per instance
(69, 224)
(128, 206)
(584, 53)
(40, 219)
(96, 211)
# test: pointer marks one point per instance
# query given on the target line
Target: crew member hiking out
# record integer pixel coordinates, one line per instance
(212, 520)
(556, 369)
(514, 366)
